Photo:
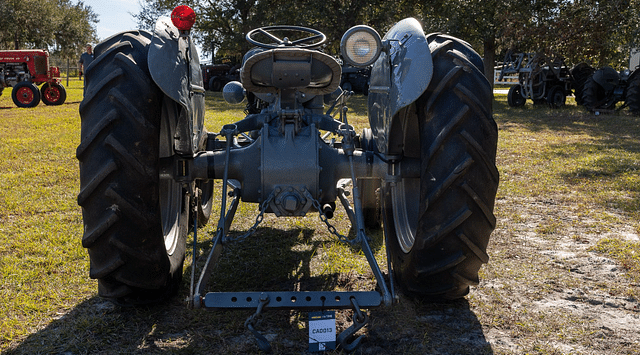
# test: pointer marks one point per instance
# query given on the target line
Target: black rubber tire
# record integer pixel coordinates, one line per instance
(53, 94)
(593, 95)
(216, 84)
(633, 93)
(556, 97)
(450, 209)
(580, 73)
(514, 96)
(135, 224)
(25, 94)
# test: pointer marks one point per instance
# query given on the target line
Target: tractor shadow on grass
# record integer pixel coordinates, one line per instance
(273, 259)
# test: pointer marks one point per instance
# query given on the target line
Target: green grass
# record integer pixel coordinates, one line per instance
(582, 160)
(585, 169)
(43, 269)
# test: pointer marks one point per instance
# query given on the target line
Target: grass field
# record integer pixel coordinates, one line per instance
(587, 166)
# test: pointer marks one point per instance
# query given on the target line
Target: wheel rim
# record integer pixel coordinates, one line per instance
(52, 94)
(406, 205)
(170, 192)
(25, 95)
(405, 194)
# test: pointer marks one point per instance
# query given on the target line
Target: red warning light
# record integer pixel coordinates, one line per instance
(183, 17)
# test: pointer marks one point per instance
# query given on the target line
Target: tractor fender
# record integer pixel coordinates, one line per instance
(398, 78)
(607, 77)
(174, 65)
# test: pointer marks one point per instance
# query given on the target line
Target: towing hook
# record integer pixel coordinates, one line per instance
(263, 343)
(359, 320)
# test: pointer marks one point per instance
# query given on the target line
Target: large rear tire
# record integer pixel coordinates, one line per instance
(135, 224)
(438, 225)
(580, 73)
(594, 96)
(633, 93)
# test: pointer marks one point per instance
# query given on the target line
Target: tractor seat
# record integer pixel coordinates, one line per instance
(307, 71)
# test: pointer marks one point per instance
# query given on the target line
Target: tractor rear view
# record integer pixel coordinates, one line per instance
(541, 79)
(424, 170)
(606, 87)
(24, 70)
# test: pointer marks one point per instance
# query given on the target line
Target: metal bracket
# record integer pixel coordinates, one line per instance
(359, 219)
(359, 320)
(300, 300)
(263, 343)
(307, 300)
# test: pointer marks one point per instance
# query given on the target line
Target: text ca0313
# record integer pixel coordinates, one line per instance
(183, 17)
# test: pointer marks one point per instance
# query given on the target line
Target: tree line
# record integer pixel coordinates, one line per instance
(61, 26)
(598, 32)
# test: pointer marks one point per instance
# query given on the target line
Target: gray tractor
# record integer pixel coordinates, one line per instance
(425, 170)
(606, 87)
(541, 79)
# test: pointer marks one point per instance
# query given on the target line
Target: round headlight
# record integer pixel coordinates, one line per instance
(360, 46)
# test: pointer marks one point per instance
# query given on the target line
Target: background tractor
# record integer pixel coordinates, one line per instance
(216, 76)
(426, 166)
(541, 79)
(355, 79)
(24, 70)
(606, 87)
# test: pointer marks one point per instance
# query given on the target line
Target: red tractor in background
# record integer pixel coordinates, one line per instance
(24, 70)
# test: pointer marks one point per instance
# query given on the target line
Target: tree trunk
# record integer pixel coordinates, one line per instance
(489, 57)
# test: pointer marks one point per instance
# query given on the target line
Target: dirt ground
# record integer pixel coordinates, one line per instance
(538, 294)
(568, 300)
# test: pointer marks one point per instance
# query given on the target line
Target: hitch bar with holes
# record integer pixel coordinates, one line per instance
(350, 163)
(305, 300)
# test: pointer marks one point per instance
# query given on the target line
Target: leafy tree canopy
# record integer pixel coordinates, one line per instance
(221, 25)
(61, 26)
(599, 32)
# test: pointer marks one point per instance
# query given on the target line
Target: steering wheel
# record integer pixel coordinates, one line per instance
(315, 38)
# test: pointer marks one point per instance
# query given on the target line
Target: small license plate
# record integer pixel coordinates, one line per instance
(322, 331)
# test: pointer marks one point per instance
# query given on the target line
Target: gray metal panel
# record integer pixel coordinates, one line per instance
(167, 61)
(174, 65)
(634, 58)
(399, 77)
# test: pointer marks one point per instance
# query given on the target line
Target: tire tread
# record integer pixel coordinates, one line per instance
(459, 177)
(119, 178)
